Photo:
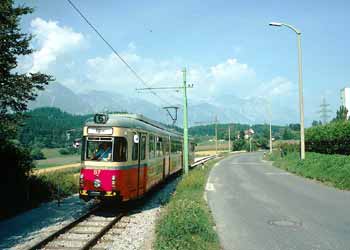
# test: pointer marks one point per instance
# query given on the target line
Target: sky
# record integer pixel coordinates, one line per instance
(227, 47)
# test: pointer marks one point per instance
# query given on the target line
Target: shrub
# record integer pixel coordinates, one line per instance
(37, 154)
(332, 138)
(69, 151)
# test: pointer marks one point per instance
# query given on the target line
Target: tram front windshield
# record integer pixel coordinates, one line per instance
(103, 150)
(99, 150)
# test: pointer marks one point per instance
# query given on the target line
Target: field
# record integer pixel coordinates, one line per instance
(54, 158)
(209, 148)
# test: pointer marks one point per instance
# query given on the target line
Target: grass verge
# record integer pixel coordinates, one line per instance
(186, 221)
(41, 188)
(333, 170)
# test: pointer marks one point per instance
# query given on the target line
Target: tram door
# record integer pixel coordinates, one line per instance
(166, 161)
(141, 172)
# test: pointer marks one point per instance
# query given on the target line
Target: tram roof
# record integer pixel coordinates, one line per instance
(135, 121)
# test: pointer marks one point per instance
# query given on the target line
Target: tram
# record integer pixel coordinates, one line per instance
(126, 155)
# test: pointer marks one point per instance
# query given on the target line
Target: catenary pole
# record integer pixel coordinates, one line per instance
(185, 123)
(229, 138)
(216, 135)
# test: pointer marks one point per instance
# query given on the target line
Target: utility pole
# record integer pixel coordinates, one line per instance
(184, 87)
(324, 111)
(250, 144)
(270, 138)
(270, 118)
(229, 138)
(185, 120)
(216, 135)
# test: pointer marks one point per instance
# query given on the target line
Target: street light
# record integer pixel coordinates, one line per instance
(301, 98)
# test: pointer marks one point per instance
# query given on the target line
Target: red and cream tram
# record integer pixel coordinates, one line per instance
(125, 155)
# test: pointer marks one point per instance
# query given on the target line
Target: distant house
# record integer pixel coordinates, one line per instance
(248, 133)
(76, 143)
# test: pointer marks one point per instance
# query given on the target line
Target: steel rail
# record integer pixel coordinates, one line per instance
(90, 243)
(63, 230)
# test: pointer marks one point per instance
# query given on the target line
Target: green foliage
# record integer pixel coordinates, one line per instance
(332, 138)
(68, 151)
(16, 88)
(37, 189)
(187, 222)
(342, 113)
(316, 123)
(239, 144)
(331, 169)
(287, 148)
(37, 154)
(262, 133)
(51, 127)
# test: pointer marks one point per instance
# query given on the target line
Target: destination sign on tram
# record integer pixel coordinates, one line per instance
(100, 131)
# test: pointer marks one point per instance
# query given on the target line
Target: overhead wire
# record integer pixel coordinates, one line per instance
(115, 52)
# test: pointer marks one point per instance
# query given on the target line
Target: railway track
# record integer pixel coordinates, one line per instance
(93, 230)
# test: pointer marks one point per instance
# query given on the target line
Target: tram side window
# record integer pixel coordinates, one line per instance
(83, 142)
(120, 149)
(173, 147)
(176, 147)
(143, 147)
(159, 147)
(179, 149)
(151, 147)
(166, 145)
(135, 151)
(192, 147)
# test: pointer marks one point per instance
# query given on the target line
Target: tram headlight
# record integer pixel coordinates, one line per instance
(81, 181)
(113, 181)
(97, 183)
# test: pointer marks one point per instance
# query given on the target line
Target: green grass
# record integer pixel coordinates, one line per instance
(330, 169)
(54, 158)
(186, 222)
(51, 152)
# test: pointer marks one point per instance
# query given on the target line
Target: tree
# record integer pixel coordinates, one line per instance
(316, 123)
(16, 88)
(294, 126)
(287, 134)
(342, 114)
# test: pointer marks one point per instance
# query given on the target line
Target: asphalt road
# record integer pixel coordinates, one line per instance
(259, 207)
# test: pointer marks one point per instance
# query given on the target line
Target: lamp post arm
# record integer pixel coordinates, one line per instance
(292, 28)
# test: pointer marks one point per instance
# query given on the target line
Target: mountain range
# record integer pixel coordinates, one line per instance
(226, 109)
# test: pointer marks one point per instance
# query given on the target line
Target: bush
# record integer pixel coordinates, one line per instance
(288, 147)
(332, 138)
(37, 154)
(68, 151)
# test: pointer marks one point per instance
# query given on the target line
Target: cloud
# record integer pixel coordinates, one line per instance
(109, 73)
(278, 86)
(53, 42)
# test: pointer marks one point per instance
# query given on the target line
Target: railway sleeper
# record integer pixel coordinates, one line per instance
(65, 243)
(74, 236)
(86, 230)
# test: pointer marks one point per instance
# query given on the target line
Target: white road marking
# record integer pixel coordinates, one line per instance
(277, 173)
(210, 187)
